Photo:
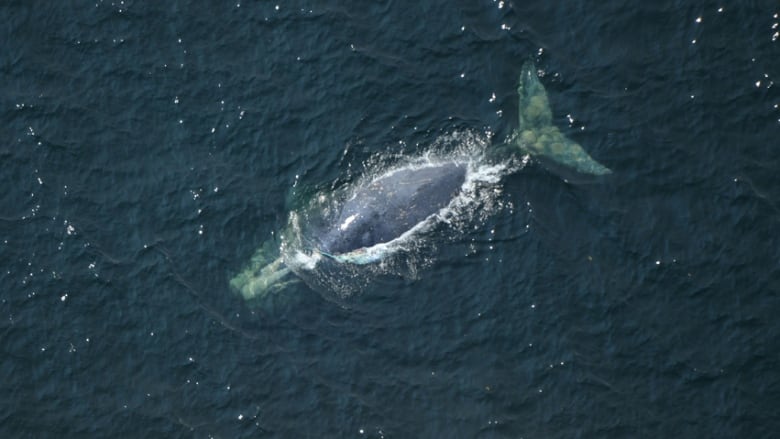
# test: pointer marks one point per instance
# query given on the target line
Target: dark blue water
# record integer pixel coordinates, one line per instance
(149, 148)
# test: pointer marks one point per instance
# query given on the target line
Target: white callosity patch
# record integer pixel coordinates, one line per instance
(350, 219)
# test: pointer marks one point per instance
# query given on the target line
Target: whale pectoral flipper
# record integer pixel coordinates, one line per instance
(538, 137)
(265, 273)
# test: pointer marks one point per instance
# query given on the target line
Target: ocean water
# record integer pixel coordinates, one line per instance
(149, 148)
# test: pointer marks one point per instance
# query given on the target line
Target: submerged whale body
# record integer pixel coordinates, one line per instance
(393, 204)
(378, 217)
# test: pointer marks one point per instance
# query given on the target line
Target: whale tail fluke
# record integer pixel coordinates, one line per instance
(266, 273)
(536, 135)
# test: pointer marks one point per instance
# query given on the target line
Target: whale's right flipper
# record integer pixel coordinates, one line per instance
(536, 134)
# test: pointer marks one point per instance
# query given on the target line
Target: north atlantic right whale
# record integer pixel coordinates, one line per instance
(352, 234)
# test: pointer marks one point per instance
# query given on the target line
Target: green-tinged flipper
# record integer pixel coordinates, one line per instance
(536, 134)
(265, 273)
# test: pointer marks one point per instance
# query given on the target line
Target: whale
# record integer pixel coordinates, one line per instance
(392, 204)
(375, 216)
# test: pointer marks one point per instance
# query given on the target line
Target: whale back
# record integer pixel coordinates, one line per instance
(392, 204)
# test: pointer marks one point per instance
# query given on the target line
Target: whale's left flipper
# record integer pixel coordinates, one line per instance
(536, 134)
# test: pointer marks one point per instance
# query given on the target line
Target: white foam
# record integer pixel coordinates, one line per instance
(306, 261)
